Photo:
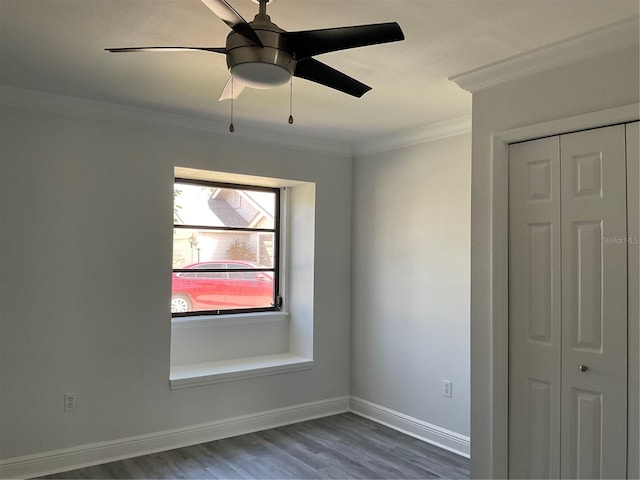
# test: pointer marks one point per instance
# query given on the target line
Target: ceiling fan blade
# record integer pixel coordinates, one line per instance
(167, 49)
(232, 18)
(315, 71)
(232, 89)
(315, 42)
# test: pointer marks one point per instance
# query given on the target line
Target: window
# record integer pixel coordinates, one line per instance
(225, 248)
(276, 218)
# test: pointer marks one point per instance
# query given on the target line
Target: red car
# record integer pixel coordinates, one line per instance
(198, 290)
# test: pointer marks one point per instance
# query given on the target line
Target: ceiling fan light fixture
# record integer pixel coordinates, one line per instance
(261, 75)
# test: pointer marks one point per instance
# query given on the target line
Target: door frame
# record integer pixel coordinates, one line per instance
(499, 377)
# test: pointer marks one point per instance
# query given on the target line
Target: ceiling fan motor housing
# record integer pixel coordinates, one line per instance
(268, 66)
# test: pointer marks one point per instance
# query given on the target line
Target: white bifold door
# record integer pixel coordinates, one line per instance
(568, 306)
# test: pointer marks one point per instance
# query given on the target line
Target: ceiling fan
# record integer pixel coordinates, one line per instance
(262, 55)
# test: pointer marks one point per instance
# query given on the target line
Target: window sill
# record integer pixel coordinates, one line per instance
(186, 376)
(234, 319)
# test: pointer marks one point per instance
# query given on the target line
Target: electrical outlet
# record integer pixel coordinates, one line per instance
(447, 388)
(70, 402)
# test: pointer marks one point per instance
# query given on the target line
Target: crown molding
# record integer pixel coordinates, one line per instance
(31, 99)
(413, 136)
(596, 42)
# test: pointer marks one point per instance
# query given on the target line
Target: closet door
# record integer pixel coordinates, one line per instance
(594, 304)
(534, 309)
(568, 306)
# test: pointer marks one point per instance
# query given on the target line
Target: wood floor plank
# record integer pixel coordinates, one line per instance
(335, 447)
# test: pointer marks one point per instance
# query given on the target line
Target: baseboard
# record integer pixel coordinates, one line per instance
(427, 432)
(97, 453)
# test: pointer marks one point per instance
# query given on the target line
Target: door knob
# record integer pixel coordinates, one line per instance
(583, 368)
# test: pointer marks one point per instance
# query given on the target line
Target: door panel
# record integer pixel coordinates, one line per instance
(587, 327)
(587, 429)
(594, 304)
(540, 316)
(534, 309)
(539, 423)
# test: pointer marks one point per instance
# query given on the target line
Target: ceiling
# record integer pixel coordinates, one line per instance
(57, 46)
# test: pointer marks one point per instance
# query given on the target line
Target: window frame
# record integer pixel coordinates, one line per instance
(276, 231)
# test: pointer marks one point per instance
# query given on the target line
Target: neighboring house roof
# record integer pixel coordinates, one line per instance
(228, 215)
(260, 207)
(217, 207)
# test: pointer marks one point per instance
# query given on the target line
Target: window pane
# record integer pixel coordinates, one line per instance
(191, 246)
(221, 290)
(223, 207)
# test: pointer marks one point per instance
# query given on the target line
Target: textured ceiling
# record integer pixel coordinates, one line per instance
(57, 46)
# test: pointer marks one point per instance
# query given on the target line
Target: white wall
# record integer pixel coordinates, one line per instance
(411, 248)
(85, 261)
(588, 86)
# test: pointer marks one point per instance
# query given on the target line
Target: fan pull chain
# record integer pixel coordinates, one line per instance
(231, 127)
(291, 101)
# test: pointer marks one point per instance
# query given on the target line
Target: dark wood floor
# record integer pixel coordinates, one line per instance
(337, 447)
